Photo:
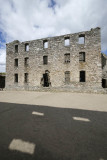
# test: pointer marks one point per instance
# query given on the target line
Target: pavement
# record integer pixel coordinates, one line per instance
(95, 102)
(52, 126)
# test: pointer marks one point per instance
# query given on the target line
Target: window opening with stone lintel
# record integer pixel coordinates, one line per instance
(81, 39)
(26, 77)
(45, 60)
(45, 44)
(67, 58)
(82, 56)
(16, 78)
(16, 62)
(66, 41)
(26, 61)
(16, 48)
(67, 77)
(26, 47)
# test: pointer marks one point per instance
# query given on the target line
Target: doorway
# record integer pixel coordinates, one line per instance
(46, 80)
(104, 83)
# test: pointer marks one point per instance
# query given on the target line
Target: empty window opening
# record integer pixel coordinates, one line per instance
(26, 47)
(67, 41)
(16, 48)
(67, 77)
(26, 77)
(81, 39)
(16, 62)
(45, 80)
(82, 76)
(45, 59)
(67, 57)
(45, 44)
(16, 78)
(104, 83)
(26, 61)
(82, 56)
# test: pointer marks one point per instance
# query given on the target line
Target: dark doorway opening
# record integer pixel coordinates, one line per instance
(46, 80)
(104, 83)
(2, 81)
(82, 76)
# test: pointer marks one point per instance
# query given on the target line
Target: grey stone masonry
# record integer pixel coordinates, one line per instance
(69, 62)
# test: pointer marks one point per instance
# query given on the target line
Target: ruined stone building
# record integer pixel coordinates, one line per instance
(68, 62)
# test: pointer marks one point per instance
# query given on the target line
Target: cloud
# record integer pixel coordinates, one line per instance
(32, 19)
(2, 60)
(2, 56)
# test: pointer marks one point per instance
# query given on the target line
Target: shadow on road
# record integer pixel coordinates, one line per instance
(58, 133)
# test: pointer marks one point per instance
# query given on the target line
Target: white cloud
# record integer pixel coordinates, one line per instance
(2, 60)
(31, 19)
(2, 56)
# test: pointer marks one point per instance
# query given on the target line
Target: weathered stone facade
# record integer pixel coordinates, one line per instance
(69, 62)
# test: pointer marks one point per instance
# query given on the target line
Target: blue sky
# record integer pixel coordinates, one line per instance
(31, 19)
(2, 40)
(52, 4)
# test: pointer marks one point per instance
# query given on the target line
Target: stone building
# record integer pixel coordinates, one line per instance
(69, 62)
(104, 68)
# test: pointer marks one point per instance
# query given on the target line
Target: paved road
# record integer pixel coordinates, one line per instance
(53, 133)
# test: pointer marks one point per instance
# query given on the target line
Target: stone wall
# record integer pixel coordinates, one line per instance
(56, 66)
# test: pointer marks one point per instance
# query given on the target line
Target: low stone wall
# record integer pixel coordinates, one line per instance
(99, 90)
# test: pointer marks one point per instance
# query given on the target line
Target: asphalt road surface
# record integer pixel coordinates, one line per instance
(31, 132)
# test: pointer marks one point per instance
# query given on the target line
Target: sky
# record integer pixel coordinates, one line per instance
(32, 19)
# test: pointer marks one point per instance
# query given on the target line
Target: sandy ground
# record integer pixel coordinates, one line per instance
(95, 102)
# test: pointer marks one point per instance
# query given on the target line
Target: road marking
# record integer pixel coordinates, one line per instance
(81, 119)
(22, 146)
(38, 113)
